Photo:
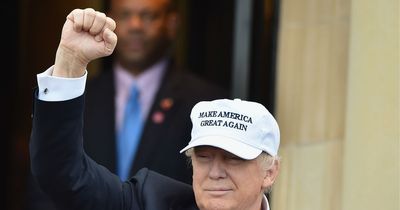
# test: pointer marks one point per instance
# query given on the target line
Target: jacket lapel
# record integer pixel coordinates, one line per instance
(163, 108)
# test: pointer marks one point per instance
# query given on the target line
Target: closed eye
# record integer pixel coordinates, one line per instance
(234, 159)
(201, 156)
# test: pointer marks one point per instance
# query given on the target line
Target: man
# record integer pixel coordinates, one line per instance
(233, 149)
(146, 30)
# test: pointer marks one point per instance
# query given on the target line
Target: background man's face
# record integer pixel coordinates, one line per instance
(144, 29)
(222, 180)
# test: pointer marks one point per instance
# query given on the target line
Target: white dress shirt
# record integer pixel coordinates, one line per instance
(148, 82)
(264, 204)
(53, 88)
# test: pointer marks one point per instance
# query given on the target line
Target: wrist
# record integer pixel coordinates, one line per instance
(68, 63)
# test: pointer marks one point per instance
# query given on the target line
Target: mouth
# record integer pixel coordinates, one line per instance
(134, 45)
(217, 192)
(132, 42)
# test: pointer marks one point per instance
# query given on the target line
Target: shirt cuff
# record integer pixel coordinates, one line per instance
(53, 88)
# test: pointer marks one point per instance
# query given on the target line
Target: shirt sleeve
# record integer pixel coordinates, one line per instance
(53, 88)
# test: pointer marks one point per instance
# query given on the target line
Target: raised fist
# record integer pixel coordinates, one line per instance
(87, 35)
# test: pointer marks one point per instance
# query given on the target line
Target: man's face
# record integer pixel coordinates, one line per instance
(144, 29)
(222, 180)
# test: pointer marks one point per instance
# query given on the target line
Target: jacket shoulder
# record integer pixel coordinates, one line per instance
(194, 86)
(156, 191)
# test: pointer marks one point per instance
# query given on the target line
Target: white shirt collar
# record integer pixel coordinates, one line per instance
(148, 82)
(265, 204)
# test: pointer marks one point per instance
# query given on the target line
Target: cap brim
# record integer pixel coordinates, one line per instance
(231, 145)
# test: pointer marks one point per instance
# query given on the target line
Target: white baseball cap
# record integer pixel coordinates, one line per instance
(243, 128)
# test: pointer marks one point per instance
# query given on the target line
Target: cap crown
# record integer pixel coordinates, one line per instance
(246, 122)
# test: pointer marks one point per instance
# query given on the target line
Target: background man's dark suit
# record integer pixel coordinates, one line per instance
(161, 139)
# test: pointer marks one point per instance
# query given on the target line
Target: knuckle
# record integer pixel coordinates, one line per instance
(89, 10)
(111, 23)
(100, 14)
(90, 13)
(76, 10)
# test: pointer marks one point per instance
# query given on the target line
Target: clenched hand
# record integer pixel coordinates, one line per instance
(87, 35)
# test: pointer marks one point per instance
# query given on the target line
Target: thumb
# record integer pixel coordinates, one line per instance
(110, 41)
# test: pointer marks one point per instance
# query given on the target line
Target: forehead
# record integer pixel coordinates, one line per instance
(139, 4)
(212, 149)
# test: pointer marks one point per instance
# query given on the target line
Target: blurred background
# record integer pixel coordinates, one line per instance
(327, 69)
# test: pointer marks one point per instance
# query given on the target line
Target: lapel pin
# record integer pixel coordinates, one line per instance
(166, 103)
(158, 117)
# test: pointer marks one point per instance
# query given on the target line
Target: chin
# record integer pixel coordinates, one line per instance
(134, 60)
(135, 56)
(216, 205)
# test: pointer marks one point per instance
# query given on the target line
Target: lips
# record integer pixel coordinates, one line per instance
(134, 44)
(217, 189)
(217, 192)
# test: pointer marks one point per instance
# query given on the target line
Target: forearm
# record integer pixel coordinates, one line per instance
(59, 163)
(55, 148)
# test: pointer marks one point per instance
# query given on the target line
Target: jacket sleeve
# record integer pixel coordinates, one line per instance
(61, 167)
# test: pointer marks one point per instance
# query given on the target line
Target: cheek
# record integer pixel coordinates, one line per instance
(198, 173)
(121, 34)
(156, 32)
(199, 176)
(248, 180)
(120, 29)
(197, 189)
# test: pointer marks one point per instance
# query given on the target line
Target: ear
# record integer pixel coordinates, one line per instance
(271, 174)
(172, 25)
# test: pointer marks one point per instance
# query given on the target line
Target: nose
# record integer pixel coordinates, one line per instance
(217, 170)
(135, 21)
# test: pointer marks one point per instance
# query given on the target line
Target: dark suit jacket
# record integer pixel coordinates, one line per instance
(75, 181)
(160, 142)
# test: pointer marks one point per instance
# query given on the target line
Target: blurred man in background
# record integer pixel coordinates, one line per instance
(146, 30)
